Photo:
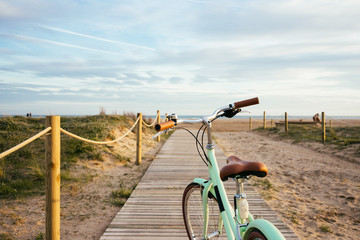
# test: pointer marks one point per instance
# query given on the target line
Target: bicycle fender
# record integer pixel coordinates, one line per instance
(200, 181)
(266, 227)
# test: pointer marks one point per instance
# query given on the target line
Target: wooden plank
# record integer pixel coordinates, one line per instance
(153, 210)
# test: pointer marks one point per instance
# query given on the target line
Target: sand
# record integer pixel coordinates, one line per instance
(86, 208)
(315, 191)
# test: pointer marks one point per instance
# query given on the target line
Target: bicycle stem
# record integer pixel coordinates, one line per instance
(210, 144)
(208, 120)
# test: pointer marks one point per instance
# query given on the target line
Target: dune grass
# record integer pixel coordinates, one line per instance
(340, 137)
(22, 173)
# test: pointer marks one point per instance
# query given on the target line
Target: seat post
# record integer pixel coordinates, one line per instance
(241, 204)
(240, 186)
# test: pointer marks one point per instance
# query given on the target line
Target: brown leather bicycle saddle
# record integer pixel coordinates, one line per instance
(237, 167)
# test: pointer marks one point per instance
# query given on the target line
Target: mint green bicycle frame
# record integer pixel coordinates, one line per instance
(233, 228)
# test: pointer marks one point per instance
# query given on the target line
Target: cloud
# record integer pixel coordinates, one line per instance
(9, 11)
(183, 51)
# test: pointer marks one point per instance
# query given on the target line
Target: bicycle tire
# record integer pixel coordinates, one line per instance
(256, 234)
(193, 213)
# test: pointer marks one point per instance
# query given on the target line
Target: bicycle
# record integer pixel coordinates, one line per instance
(206, 207)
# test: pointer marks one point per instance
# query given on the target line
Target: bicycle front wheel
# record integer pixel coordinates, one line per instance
(256, 234)
(193, 214)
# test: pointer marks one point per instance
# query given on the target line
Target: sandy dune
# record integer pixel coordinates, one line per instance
(315, 193)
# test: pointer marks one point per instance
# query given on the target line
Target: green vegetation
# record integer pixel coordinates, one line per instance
(293, 216)
(5, 236)
(118, 197)
(24, 169)
(265, 184)
(22, 173)
(342, 137)
(266, 187)
(40, 236)
(96, 128)
(325, 229)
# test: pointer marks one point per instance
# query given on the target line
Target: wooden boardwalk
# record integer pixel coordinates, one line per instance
(153, 210)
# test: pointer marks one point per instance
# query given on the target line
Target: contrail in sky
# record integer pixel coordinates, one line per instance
(34, 39)
(97, 38)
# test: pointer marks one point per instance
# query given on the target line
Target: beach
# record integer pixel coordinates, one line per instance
(312, 188)
(87, 206)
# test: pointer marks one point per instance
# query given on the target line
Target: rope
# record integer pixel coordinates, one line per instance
(98, 142)
(24, 143)
(152, 124)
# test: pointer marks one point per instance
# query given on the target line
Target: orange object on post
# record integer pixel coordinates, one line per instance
(165, 125)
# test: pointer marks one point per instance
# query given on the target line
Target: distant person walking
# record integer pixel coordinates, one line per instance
(316, 118)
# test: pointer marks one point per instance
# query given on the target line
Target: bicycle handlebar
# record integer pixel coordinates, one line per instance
(165, 125)
(245, 103)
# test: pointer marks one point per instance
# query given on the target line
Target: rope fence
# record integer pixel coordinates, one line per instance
(264, 122)
(341, 121)
(150, 125)
(316, 120)
(52, 159)
(99, 142)
(24, 143)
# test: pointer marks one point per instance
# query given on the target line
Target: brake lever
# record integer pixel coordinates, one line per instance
(160, 133)
(229, 113)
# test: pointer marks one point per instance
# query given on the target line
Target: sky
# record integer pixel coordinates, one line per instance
(74, 57)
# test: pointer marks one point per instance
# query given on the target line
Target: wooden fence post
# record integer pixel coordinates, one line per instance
(52, 180)
(323, 127)
(158, 121)
(139, 139)
(286, 122)
(264, 119)
(250, 123)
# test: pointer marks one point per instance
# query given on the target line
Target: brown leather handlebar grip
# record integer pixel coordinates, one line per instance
(165, 125)
(247, 102)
